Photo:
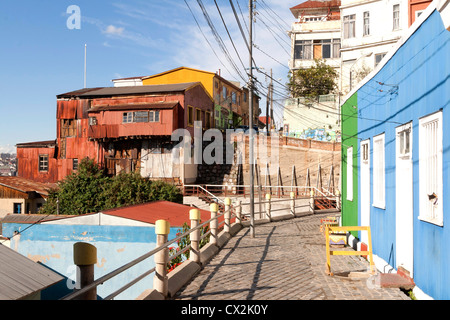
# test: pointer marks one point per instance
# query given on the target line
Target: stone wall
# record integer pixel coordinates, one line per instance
(286, 153)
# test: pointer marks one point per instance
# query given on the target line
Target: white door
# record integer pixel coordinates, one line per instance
(404, 198)
(365, 188)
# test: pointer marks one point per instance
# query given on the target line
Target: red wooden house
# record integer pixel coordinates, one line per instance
(120, 128)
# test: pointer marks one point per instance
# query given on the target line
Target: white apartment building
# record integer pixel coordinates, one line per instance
(370, 28)
(316, 34)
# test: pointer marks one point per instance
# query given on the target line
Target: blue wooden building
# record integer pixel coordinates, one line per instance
(396, 155)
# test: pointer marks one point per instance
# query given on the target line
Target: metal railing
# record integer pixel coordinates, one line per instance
(112, 274)
(229, 212)
(244, 190)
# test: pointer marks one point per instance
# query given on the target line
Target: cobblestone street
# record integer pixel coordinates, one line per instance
(285, 261)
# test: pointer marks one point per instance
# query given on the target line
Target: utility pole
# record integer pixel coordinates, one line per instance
(267, 112)
(250, 123)
(85, 49)
(271, 100)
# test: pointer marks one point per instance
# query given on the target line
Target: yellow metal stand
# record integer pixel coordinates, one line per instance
(330, 229)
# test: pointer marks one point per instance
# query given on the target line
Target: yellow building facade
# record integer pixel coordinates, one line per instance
(231, 101)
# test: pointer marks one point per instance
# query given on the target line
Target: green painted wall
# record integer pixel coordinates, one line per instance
(349, 120)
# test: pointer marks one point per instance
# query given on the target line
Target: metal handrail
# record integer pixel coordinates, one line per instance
(125, 267)
(206, 191)
(147, 255)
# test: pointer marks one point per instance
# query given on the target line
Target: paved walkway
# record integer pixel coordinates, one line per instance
(285, 261)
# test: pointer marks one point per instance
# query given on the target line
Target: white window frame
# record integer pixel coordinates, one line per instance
(396, 17)
(430, 168)
(366, 23)
(378, 57)
(379, 172)
(127, 117)
(404, 147)
(348, 28)
(350, 174)
(154, 116)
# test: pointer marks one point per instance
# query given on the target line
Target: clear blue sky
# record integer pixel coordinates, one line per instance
(41, 57)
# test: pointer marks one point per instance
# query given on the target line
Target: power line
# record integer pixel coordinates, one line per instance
(219, 39)
(231, 39)
(212, 48)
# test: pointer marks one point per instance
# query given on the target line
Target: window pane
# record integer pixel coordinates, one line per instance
(141, 116)
(156, 116)
(407, 141)
(396, 17)
(75, 164)
(43, 163)
(127, 117)
(366, 23)
(190, 115)
(336, 50)
(326, 51)
(307, 52)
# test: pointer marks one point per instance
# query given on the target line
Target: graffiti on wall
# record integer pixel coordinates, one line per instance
(319, 134)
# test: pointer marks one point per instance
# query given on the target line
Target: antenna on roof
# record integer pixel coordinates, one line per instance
(85, 46)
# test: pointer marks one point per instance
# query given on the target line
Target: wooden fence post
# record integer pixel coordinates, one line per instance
(85, 258)
(160, 281)
(311, 202)
(194, 216)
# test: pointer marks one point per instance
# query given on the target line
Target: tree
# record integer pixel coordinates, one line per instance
(91, 190)
(80, 192)
(127, 189)
(312, 82)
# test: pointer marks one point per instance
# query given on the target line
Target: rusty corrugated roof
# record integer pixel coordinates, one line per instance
(25, 185)
(37, 144)
(114, 91)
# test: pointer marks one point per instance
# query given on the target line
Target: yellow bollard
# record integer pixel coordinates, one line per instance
(160, 281)
(85, 258)
(194, 216)
(213, 225)
(292, 194)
